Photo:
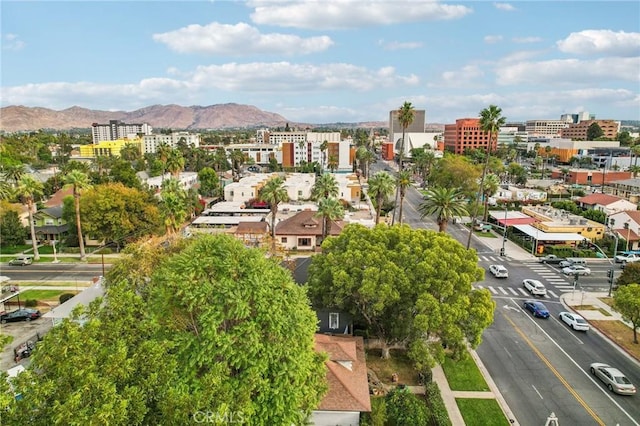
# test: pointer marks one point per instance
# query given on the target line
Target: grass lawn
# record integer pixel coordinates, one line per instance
(14, 249)
(464, 375)
(584, 308)
(485, 234)
(481, 412)
(398, 363)
(80, 284)
(43, 294)
(607, 300)
(619, 333)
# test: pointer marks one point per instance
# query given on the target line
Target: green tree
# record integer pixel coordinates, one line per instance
(116, 213)
(274, 193)
(491, 120)
(423, 160)
(131, 152)
(445, 204)
(13, 173)
(594, 131)
(175, 163)
(404, 408)
(324, 146)
(403, 181)
(332, 164)
(406, 115)
(237, 160)
(456, 171)
(12, 233)
(173, 205)
(209, 182)
(121, 171)
(325, 186)
(491, 185)
(329, 209)
(80, 182)
(626, 300)
(30, 190)
(630, 274)
(163, 152)
(407, 286)
(365, 158)
(381, 186)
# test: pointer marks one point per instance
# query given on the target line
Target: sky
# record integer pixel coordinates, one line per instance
(326, 61)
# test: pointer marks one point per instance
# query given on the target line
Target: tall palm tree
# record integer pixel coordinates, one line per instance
(274, 193)
(326, 186)
(547, 154)
(491, 120)
(403, 180)
(330, 209)
(381, 186)
(164, 151)
(332, 164)
(131, 152)
(237, 159)
(13, 173)
(324, 146)
(79, 181)
(173, 205)
(365, 158)
(445, 204)
(6, 191)
(406, 115)
(29, 189)
(174, 163)
(491, 185)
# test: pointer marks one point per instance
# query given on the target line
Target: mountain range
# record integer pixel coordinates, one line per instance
(176, 117)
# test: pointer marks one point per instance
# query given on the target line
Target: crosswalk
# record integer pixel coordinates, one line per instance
(514, 291)
(494, 259)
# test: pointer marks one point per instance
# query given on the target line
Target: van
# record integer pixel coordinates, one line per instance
(573, 261)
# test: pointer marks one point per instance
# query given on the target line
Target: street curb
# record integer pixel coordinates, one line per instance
(494, 388)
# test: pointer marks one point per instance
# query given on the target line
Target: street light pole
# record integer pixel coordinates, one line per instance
(504, 234)
(611, 268)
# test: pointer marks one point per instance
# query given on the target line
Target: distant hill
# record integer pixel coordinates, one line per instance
(223, 116)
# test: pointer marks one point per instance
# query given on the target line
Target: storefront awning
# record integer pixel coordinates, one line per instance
(539, 235)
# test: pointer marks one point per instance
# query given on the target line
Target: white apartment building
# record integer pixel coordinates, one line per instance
(150, 143)
(545, 127)
(298, 186)
(116, 129)
(187, 180)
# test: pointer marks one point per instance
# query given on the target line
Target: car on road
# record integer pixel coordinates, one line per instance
(537, 308)
(551, 259)
(574, 321)
(535, 287)
(576, 270)
(613, 378)
(499, 271)
(24, 314)
(627, 257)
(21, 261)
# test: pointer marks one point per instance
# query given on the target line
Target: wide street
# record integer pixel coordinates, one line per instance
(541, 366)
(47, 271)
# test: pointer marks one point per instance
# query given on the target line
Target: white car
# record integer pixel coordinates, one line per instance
(574, 321)
(629, 257)
(576, 270)
(499, 271)
(613, 378)
(535, 287)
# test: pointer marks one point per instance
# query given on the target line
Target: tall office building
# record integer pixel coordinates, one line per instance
(116, 129)
(466, 135)
(419, 117)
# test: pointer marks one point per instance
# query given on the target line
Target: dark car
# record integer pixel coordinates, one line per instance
(551, 259)
(20, 315)
(537, 308)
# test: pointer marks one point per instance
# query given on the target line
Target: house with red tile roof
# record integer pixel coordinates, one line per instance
(56, 199)
(303, 231)
(607, 203)
(348, 393)
(252, 234)
(626, 225)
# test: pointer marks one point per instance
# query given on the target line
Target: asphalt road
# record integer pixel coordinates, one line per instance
(53, 271)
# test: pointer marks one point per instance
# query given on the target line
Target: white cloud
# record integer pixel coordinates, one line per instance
(504, 6)
(340, 14)
(527, 39)
(601, 42)
(491, 39)
(569, 71)
(238, 40)
(12, 42)
(468, 75)
(398, 45)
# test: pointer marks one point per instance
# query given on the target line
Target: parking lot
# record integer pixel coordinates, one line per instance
(21, 332)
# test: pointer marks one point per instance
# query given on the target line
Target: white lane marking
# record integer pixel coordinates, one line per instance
(492, 290)
(552, 293)
(534, 388)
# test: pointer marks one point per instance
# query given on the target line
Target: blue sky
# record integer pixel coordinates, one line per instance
(327, 61)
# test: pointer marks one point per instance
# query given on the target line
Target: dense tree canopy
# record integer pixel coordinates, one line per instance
(218, 331)
(408, 286)
(627, 301)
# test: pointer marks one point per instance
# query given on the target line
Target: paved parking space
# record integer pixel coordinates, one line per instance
(21, 332)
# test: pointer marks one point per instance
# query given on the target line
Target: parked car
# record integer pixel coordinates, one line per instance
(613, 378)
(576, 270)
(574, 321)
(535, 287)
(21, 261)
(24, 314)
(537, 308)
(551, 259)
(499, 271)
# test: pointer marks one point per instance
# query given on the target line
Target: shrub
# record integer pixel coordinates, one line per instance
(65, 296)
(378, 414)
(439, 414)
(404, 408)
(30, 303)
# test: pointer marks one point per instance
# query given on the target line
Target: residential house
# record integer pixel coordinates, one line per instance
(49, 224)
(298, 186)
(334, 321)
(628, 189)
(57, 199)
(626, 225)
(348, 393)
(609, 204)
(513, 193)
(252, 234)
(303, 231)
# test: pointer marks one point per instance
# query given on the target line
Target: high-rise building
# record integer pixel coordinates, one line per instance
(467, 135)
(578, 131)
(545, 127)
(116, 130)
(417, 126)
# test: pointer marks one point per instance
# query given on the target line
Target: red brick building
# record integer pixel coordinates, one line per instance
(590, 177)
(466, 135)
(578, 131)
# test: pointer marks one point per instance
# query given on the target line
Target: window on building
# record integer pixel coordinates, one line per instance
(589, 178)
(283, 240)
(304, 242)
(334, 320)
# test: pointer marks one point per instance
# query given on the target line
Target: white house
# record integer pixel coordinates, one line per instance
(626, 225)
(609, 204)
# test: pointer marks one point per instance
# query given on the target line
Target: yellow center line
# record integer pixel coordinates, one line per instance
(556, 373)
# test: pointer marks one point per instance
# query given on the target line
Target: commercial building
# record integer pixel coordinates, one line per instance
(465, 135)
(150, 143)
(578, 131)
(116, 129)
(417, 126)
(590, 177)
(545, 127)
(552, 220)
(108, 148)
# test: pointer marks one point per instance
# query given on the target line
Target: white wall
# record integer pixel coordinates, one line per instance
(335, 418)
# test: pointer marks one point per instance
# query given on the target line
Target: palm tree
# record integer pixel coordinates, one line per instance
(381, 186)
(634, 170)
(365, 158)
(491, 120)
(13, 173)
(445, 204)
(80, 181)
(332, 164)
(273, 192)
(173, 205)
(131, 152)
(406, 115)
(403, 180)
(545, 164)
(6, 191)
(29, 188)
(163, 151)
(491, 185)
(424, 160)
(174, 163)
(237, 159)
(326, 186)
(323, 148)
(565, 172)
(330, 209)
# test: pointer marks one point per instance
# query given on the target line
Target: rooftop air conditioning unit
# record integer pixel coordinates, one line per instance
(572, 221)
(583, 221)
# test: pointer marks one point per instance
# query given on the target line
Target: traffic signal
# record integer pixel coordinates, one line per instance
(610, 273)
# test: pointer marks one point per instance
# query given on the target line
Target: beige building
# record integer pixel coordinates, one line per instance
(552, 220)
(578, 131)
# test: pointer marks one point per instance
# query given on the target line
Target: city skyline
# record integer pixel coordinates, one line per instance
(330, 61)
